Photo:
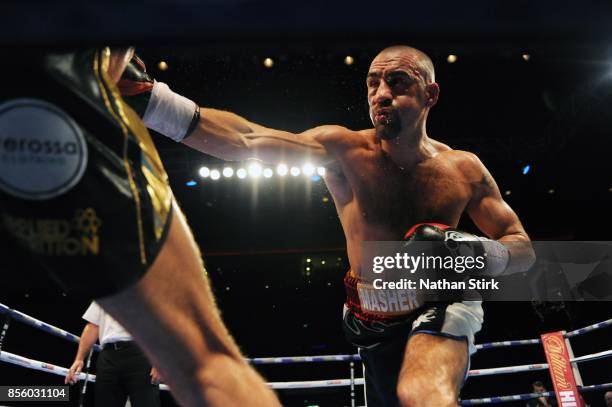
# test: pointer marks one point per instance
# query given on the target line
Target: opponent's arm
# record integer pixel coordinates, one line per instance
(215, 132)
(496, 219)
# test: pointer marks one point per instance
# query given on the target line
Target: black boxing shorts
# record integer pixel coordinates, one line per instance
(371, 323)
(82, 188)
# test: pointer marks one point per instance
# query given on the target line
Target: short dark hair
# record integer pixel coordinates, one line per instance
(424, 62)
(537, 383)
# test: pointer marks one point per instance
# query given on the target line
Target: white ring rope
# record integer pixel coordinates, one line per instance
(314, 384)
(62, 371)
(48, 367)
(528, 396)
(43, 326)
(303, 359)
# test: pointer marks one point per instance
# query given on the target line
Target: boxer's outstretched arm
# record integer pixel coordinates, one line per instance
(495, 218)
(219, 133)
(231, 137)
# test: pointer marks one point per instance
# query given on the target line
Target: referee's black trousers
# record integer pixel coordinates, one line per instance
(123, 371)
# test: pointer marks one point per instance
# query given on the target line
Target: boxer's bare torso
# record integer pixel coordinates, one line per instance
(378, 199)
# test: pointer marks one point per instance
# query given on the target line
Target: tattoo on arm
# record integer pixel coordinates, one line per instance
(487, 182)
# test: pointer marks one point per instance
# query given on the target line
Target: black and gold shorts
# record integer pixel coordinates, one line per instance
(82, 188)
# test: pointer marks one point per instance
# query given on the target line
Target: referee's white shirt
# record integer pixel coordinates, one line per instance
(109, 330)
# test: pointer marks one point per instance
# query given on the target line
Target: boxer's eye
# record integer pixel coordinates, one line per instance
(398, 83)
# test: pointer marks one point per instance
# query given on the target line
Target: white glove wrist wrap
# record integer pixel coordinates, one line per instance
(169, 113)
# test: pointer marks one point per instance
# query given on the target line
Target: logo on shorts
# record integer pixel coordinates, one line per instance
(75, 236)
(42, 150)
(425, 318)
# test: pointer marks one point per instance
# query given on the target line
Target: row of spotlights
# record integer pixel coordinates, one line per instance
(256, 170)
(269, 62)
(348, 60)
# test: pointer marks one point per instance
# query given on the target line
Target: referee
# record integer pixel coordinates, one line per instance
(122, 369)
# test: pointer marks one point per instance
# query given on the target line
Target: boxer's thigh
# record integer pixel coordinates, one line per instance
(432, 370)
(436, 360)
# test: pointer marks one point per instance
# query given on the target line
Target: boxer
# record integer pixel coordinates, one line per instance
(383, 180)
(82, 190)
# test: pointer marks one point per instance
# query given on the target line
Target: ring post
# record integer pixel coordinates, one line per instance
(84, 385)
(352, 384)
(570, 351)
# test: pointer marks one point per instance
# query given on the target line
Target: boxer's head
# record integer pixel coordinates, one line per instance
(119, 59)
(401, 90)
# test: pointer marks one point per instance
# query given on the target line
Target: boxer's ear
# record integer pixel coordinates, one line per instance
(432, 92)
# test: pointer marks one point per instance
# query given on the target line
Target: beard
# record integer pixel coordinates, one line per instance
(389, 126)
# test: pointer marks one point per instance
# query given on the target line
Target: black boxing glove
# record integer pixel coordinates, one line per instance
(161, 109)
(459, 243)
(136, 85)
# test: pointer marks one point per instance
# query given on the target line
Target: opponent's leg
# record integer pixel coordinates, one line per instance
(433, 371)
(172, 314)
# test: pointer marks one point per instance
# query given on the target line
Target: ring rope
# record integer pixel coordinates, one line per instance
(314, 384)
(589, 328)
(47, 367)
(43, 326)
(527, 396)
(538, 366)
(303, 359)
(61, 371)
(503, 344)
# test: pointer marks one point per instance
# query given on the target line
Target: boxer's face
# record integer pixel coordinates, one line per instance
(397, 92)
(119, 59)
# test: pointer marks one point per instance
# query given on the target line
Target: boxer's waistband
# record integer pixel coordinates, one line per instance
(372, 304)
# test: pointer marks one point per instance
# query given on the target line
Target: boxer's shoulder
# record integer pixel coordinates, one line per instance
(465, 163)
(438, 146)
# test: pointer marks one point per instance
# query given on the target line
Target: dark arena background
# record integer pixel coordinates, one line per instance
(527, 86)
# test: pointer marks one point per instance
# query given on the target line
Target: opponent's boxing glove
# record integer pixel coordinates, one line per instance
(161, 109)
(136, 85)
(459, 243)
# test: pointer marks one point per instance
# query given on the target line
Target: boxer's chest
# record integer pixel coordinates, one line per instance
(389, 196)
